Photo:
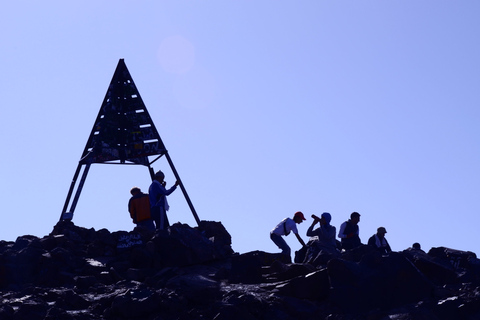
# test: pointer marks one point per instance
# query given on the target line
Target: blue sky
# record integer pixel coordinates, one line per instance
(266, 108)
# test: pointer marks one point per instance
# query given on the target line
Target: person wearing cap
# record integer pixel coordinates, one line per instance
(379, 241)
(158, 200)
(349, 232)
(322, 245)
(325, 233)
(284, 228)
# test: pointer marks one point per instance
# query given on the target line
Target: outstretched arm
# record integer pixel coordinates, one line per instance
(300, 239)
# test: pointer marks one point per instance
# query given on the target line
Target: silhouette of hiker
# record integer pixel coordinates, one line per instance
(158, 200)
(325, 233)
(139, 208)
(379, 241)
(322, 245)
(416, 248)
(349, 232)
(283, 229)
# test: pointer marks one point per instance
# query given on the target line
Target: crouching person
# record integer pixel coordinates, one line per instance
(284, 228)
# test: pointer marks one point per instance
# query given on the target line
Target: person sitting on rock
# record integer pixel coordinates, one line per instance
(416, 248)
(283, 229)
(325, 233)
(349, 232)
(139, 208)
(322, 245)
(379, 241)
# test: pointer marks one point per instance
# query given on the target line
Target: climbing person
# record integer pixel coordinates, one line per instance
(284, 228)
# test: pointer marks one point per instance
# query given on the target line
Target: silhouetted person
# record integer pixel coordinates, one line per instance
(379, 241)
(139, 208)
(158, 200)
(325, 233)
(416, 248)
(349, 232)
(283, 229)
(322, 245)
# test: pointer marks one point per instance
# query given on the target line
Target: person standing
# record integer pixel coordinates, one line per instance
(139, 208)
(158, 200)
(349, 233)
(284, 228)
(379, 241)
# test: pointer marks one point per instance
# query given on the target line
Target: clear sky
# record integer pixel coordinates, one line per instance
(266, 108)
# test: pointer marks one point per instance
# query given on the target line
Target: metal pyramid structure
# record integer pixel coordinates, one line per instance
(123, 133)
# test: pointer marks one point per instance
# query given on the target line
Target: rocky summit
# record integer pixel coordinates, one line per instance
(193, 273)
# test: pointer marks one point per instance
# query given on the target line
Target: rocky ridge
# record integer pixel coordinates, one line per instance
(193, 273)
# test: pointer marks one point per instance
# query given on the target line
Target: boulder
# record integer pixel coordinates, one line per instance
(377, 282)
(192, 273)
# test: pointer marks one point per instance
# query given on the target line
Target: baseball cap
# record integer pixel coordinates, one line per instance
(381, 230)
(299, 214)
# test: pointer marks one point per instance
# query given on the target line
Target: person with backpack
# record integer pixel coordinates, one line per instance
(139, 208)
(284, 228)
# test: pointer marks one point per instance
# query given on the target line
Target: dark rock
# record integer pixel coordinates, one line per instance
(181, 273)
(135, 303)
(437, 270)
(232, 312)
(6, 312)
(197, 288)
(220, 237)
(377, 282)
(314, 286)
(31, 308)
(24, 242)
(85, 282)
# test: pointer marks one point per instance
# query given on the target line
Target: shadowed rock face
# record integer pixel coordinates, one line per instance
(193, 273)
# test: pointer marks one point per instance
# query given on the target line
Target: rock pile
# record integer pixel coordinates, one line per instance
(193, 273)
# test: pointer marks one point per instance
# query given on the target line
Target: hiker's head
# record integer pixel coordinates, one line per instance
(298, 217)
(355, 217)
(159, 176)
(326, 217)
(135, 190)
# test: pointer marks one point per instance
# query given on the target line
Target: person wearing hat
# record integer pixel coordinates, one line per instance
(325, 233)
(284, 228)
(349, 232)
(157, 194)
(379, 241)
(322, 245)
